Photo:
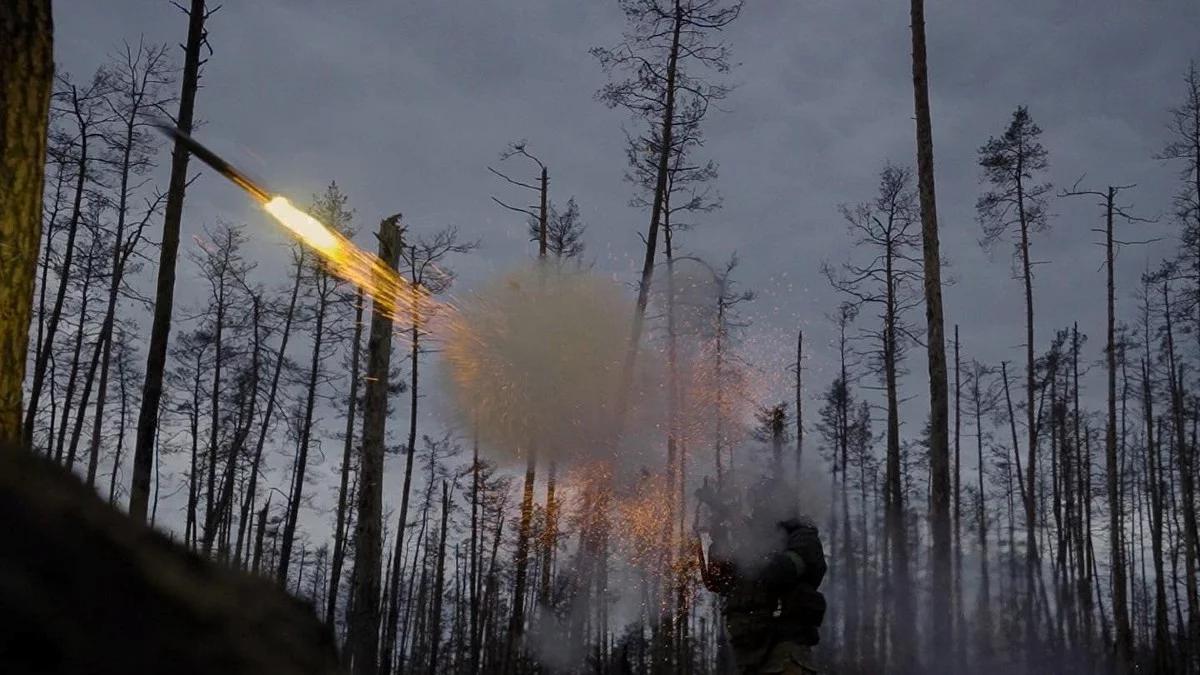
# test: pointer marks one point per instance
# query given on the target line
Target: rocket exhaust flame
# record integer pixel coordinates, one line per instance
(342, 257)
(308, 229)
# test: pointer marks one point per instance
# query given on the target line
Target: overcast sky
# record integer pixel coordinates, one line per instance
(404, 104)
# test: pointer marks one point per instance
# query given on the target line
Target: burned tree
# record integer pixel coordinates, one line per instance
(341, 515)
(888, 280)
(85, 108)
(331, 209)
(221, 267)
(541, 217)
(137, 85)
(426, 274)
(1016, 202)
(666, 46)
(935, 339)
(1184, 150)
(299, 261)
(834, 426)
(564, 232)
(362, 640)
(156, 354)
(1113, 210)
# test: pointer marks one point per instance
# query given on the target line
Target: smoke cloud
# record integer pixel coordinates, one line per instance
(535, 362)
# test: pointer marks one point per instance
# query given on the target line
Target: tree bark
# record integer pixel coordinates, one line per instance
(26, 72)
(939, 459)
(362, 642)
(339, 537)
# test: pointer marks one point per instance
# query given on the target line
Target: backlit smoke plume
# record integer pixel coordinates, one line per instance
(534, 361)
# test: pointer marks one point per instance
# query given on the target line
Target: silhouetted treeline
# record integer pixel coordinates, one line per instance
(1023, 528)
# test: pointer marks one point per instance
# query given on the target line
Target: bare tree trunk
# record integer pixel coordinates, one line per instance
(960, 621)
(900, 583)
(362, 644)
(402, 521)
(339, 537)
(51, 221)
(799, 404)
(656, 210)
(412, 607)
(1116, 523)
(718, 375)
(473, 659)
(242, 430)
(1083, 469)
(293, 512)
(663, 629)
(1187, 476)
(192, 522)
(280, 357)
(543, 213)
(47, 344)
(210, 515)
(850, 602)
(516, 626)
(256, 563)
(123, 388)
(84, 300)
(985, 599)
(156, 355)
(939, 453)
(549, 537)
(137, 90)
(435, 629)
(1162, 638)
(1026, 496)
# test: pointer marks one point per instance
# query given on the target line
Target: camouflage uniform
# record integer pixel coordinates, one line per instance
(773, 612)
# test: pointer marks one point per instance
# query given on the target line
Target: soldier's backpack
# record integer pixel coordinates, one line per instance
(803, 607)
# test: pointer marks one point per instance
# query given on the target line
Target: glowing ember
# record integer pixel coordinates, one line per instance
(310, 230)
(347, 261)
(342, 258)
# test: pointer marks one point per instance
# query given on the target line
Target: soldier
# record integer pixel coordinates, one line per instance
(766, 567)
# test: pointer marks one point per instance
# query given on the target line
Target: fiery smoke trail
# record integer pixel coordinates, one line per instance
(342, 257)
(534, 361)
